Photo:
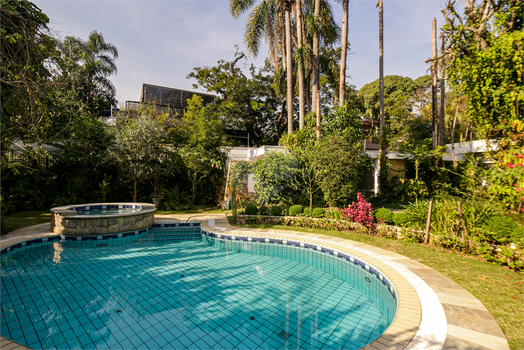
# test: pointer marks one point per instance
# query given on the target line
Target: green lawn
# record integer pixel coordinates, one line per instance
(21, 219)
(499, 289)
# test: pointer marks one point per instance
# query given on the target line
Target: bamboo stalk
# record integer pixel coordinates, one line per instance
(428, 222)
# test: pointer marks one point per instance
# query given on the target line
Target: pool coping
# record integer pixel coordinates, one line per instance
(462, 321)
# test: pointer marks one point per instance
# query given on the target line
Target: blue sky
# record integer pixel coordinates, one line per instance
(160, 42)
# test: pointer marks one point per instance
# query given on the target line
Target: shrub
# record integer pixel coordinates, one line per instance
(295, 210)
(501, 229)
(384, 215)
(251, 210)
(263, 210)
(360, 212)
(400, 219)
(332, 214)
(276, 210)
(318, 213)
(306, 211)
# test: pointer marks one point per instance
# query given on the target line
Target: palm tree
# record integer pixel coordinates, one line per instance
(300, 66)
(316, 70)
(89, 64)
(344, 47)
(289, 67)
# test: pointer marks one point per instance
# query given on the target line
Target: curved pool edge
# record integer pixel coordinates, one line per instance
(469, 324)
(404, 328)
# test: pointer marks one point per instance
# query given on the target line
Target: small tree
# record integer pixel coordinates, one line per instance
(237, 172)
(340, 165)
(201, 134)
(138, 146)
(272, 174)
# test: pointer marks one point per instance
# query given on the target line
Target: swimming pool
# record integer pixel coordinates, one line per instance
(180, 287)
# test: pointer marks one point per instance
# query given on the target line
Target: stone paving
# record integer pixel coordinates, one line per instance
(468, 324)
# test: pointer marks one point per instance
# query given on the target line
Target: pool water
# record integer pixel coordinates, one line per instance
(168, 290)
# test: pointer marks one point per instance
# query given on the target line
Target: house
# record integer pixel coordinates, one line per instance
(166, 99)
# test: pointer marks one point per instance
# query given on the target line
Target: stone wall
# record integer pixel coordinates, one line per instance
(66, 223)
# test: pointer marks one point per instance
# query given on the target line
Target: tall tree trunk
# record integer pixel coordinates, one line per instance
(442, 129)
(455, 163)
(300, 67)
(289, 72)
(382, 161)
(381, 67)
(434, 86)
(343, 58)
(134, 190)
(316, 70)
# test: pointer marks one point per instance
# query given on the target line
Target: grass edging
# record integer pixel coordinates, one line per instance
(499, 289)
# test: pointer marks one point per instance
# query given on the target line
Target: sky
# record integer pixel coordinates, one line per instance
(160, 42)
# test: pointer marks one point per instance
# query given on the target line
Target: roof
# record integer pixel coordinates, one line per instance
(165, 96)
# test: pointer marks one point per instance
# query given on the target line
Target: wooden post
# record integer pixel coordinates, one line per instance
(463, 227)
(428, 222)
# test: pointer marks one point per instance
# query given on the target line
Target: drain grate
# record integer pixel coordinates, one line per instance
(284, 335)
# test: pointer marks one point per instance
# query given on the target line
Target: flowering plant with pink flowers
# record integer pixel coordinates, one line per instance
(360, 212)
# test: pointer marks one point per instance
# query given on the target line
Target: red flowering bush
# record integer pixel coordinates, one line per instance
(360, 212)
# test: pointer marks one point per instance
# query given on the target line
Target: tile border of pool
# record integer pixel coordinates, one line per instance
(408, 330)
(457, 303)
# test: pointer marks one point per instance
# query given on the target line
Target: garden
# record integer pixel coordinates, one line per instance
(463, 217)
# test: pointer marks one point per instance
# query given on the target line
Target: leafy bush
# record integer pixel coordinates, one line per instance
(318, 213)
(360, 212)
(384, 215)
(501, 229)
(332, 214)
(306, 211)
(263, 210)
(276, 210)
(295, 210)
(251, 210)
(400, 219)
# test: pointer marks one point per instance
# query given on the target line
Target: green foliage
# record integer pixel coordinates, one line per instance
(272, 175)
(397, 92)
(400, 219)
(276, 210)
(25, 46)
(318, 213)
(340, 165)
(85, 67)
(263, 210)
(384, 215)
(244, 103)
(176, 199)
(307, 211)
(506, 178)
(201, 138)
(502, 229)
(485, 63)
(332, 214)
(295, 210)
(137, 147)
(251, 210)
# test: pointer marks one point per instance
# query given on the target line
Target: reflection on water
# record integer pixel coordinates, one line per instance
(58, 250)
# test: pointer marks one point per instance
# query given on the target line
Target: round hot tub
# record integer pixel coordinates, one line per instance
(101, 218)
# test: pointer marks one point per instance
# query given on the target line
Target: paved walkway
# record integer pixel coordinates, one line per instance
(466, 323)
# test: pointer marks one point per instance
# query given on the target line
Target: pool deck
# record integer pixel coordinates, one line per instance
(434, 311)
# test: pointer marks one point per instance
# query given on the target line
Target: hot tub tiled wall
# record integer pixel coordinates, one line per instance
(67, 221)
